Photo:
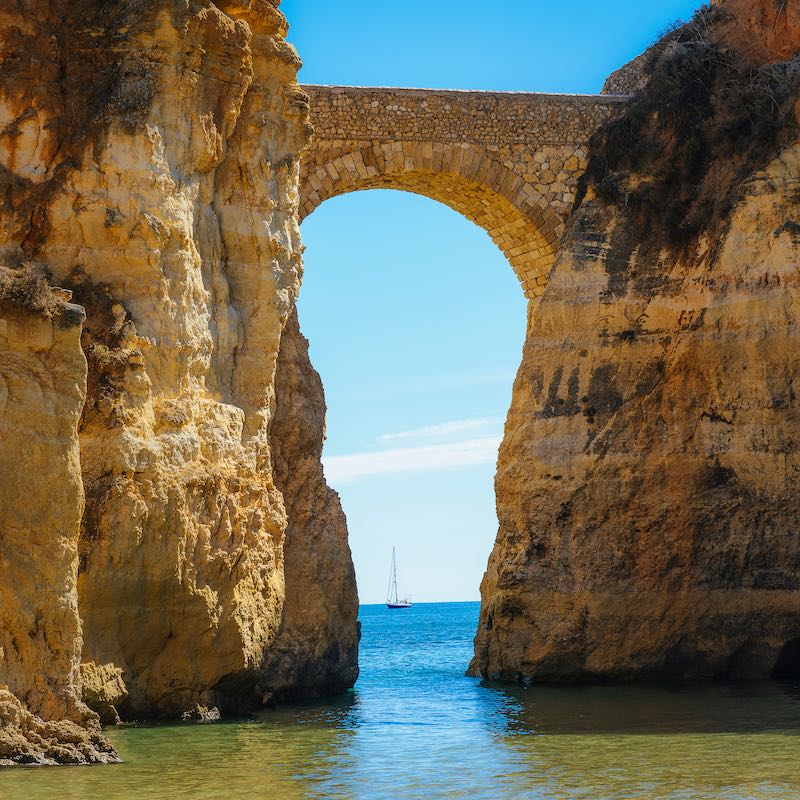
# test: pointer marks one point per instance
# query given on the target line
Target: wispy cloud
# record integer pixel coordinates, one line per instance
(429, 384)
(345, 469)
(444, 429)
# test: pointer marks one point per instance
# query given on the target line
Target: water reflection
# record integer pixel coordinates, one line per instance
(415, 727)
(734, 742)
(705, 708)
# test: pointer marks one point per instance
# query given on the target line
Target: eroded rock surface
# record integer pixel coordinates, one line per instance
(647, 482)
(28, 739)
(317, 650)
(764, 30)
(42, 388)
(150, 162)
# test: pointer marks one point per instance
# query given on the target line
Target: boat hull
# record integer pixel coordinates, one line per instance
(398, 605)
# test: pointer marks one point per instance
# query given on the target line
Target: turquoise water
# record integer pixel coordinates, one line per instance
(415, 727)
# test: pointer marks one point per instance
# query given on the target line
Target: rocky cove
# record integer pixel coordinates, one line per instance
(169, 547)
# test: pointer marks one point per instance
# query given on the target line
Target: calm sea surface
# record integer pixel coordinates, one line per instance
(415, 727)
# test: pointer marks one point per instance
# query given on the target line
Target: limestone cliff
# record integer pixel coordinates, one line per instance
(647, 485)
(317, 650)
(42, 387)
(150, 163)
(181, 576)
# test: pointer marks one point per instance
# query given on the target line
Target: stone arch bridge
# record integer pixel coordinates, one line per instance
(508, 161)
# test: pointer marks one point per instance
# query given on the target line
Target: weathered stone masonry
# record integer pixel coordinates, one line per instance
(508, 161)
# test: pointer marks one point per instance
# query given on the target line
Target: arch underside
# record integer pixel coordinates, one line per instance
(513, 214)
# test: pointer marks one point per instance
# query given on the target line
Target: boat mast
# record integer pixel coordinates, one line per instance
(394, 561)
(392, 580)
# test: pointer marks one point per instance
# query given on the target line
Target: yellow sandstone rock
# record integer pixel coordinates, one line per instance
(317, 650)
(647, 484)
(151, 156)
(42, 388)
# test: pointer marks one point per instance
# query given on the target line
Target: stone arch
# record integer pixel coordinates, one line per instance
(514, 214)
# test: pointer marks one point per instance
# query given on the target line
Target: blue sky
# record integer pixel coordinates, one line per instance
(415, 319)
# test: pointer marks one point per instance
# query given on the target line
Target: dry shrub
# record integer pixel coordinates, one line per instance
(28, 287)
(707, 119)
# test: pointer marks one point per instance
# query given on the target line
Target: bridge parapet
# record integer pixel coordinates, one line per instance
(508, 161)
(487, 118)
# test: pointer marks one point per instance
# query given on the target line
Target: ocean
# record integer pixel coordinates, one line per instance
(415, 727)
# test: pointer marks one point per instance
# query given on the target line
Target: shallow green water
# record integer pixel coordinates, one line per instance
(416, 728)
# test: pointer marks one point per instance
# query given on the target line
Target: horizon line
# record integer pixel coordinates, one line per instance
(424, 602)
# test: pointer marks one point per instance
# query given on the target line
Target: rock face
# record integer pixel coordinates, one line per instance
(647, 482)
(150, 164)
(317, 650)
(764, 30)
(42, 388)
(28, 739)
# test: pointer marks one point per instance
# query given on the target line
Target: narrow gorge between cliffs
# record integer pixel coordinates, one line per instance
(417, 362)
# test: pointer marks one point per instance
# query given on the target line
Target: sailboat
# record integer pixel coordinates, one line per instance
(392, 600)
